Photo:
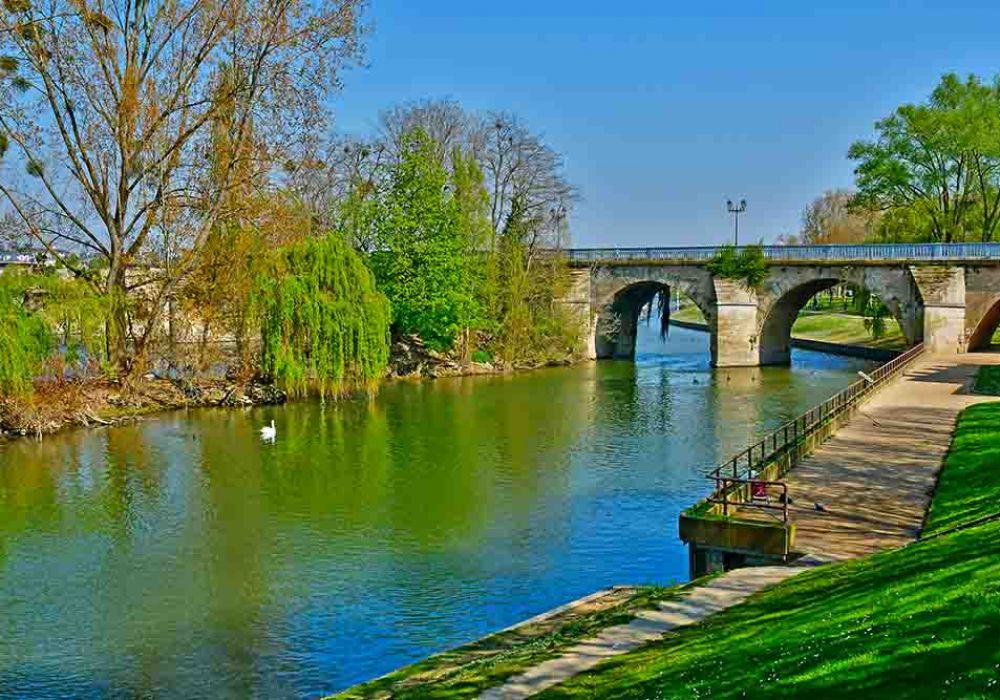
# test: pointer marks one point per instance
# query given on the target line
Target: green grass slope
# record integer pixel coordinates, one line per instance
(847, 330)
(969, 487)
(988, 379)
(918, 622)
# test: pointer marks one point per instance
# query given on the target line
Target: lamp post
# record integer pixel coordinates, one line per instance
(736, 211)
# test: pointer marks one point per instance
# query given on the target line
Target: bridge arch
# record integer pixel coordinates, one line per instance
(621, 294)
(981, 334)
(786, 294)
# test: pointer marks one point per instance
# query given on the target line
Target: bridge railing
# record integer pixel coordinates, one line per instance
(801, 253)
(739, 482)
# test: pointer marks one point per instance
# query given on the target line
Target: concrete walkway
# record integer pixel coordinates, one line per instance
(649, 625)
(874, 479)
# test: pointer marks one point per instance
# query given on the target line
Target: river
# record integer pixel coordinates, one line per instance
(182, 557)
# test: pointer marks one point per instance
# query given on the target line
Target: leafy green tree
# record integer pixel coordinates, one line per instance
(874, 312)
(47, 324)
(472, 221)
(509, 204)
(424, 262)
(939, 162)
(531, 326)
(25, 342)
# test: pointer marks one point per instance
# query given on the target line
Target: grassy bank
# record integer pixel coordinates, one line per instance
(846, 330)
(826, 326)
(969, 487)
(919, 622)
(988, 380)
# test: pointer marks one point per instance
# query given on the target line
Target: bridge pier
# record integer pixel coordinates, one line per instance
(576, 301)
(734, 328)
(943, 292)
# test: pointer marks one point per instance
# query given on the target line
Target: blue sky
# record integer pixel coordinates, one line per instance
(662, 110)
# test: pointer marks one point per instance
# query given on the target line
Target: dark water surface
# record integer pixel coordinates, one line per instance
(181, 557)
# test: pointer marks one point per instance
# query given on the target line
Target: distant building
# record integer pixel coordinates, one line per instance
(9, 258)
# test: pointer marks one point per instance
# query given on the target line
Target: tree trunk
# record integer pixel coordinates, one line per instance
(119, 355)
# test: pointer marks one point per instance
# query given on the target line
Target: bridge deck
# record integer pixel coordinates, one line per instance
(876, 475)
(867, 254)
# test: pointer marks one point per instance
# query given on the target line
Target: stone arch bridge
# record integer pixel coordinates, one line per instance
(944, 295)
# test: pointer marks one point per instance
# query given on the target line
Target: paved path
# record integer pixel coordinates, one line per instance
(649, 625)
(876, 475)
(874, 478)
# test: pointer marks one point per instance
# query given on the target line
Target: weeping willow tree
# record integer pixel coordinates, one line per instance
(25, 341)
(45, 320)
(874, 312)
(324, 325)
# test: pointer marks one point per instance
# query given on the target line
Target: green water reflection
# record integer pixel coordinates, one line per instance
(181, 557)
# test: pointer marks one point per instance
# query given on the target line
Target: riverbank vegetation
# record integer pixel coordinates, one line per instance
(463, 217)
(324, 326)
(920, 621)
(217, 225)
(50, 329)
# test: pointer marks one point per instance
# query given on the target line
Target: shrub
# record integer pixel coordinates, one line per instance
(746, 264)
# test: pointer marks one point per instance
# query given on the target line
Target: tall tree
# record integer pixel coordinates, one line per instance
(936, 165)
(520, 167)
(423, 261)
(324, 325)
(107, 114)
(830, 219)
(511, 204)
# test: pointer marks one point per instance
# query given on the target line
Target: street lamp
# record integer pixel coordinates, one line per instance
(736, 211)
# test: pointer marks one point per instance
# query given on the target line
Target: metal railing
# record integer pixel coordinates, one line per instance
(937, 252)
(737, 480)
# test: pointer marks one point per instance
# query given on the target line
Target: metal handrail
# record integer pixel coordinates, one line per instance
(722, 496)
(745, 467)
(938, 252)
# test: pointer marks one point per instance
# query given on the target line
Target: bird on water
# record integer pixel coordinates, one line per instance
(269, 432)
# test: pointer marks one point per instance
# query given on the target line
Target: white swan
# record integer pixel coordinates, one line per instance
(269, 432)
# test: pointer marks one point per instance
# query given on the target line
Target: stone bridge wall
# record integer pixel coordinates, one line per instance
(950, 307)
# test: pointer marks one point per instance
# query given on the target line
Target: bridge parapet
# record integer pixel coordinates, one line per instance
(872, 254)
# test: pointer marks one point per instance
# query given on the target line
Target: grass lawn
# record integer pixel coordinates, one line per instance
(846, 329)
(691, 314)
(988, 380)
(969, 487)
(918, 622)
